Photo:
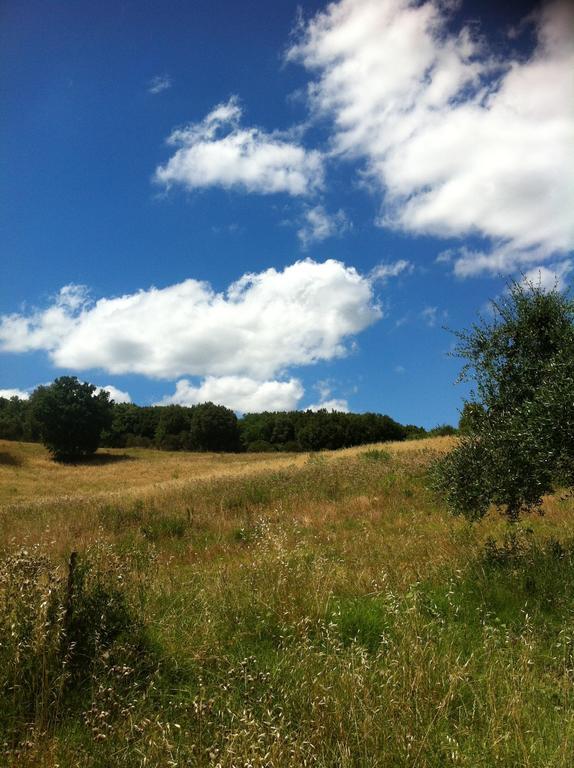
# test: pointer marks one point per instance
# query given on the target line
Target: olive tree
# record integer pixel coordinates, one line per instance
(71, 416)
(518, 440)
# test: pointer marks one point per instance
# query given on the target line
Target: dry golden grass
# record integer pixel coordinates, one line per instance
(321, 610)
(372, 513)
(28, 474)
(215, 497)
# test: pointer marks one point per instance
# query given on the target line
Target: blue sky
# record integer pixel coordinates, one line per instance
(276, 205)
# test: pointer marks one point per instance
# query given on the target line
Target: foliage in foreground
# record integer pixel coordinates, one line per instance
(518, 433)
(474, 668)
(63, 631)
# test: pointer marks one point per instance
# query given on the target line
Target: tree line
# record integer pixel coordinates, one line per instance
(203, 427)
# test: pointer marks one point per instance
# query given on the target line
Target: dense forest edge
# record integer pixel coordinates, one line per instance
(210, 427)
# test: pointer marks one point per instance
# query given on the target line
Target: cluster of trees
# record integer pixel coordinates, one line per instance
(205, 427)
(215, 428)
(72, 418)
(316, 430)
(16, 420)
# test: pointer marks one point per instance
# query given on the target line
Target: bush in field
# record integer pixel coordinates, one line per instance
(518, 433)
(442, 430)
(71, 416)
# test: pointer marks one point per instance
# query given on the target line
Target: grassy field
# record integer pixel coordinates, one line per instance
(277, 610)
(28, 474)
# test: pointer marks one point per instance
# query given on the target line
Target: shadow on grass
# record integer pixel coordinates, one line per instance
(9, 460)
(97, 460)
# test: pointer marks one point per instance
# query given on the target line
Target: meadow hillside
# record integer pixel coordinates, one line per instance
(277, 610)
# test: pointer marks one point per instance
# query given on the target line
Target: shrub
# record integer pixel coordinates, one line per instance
(58, 629)
(519, 428)
(260, 446)
(443, 430)
(376, 455)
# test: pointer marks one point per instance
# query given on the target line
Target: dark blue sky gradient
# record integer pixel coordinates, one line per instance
(80, 139)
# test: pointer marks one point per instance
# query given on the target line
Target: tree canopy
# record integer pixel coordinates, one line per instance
(518, 430)
(71, 416)
(210, 427)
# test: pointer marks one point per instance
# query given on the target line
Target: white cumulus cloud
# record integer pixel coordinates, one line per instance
(219, 152)
(20, 393)
(117, 395)
(259, 327)
(550, 277)
(459, 141)
(43, 330)
(335, 404)
(239, 393)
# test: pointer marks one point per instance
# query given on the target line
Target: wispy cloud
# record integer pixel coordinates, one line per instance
(159, 83)
(326, 399)
(432, 315)
(504, 259)
(458, 140)
(320, 225)
(382, 272)
(218, 152)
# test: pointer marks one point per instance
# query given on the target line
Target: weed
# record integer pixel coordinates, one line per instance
(58, 628)
(165, 527)
(376, 454)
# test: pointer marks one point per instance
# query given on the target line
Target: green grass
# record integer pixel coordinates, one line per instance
(328, 614)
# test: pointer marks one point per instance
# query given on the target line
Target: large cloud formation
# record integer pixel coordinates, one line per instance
(239, 340)
(240, 393)
(219, 152)
(459, 141)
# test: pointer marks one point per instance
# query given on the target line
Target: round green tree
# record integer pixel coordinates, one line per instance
(518, 436)
(71, 416)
